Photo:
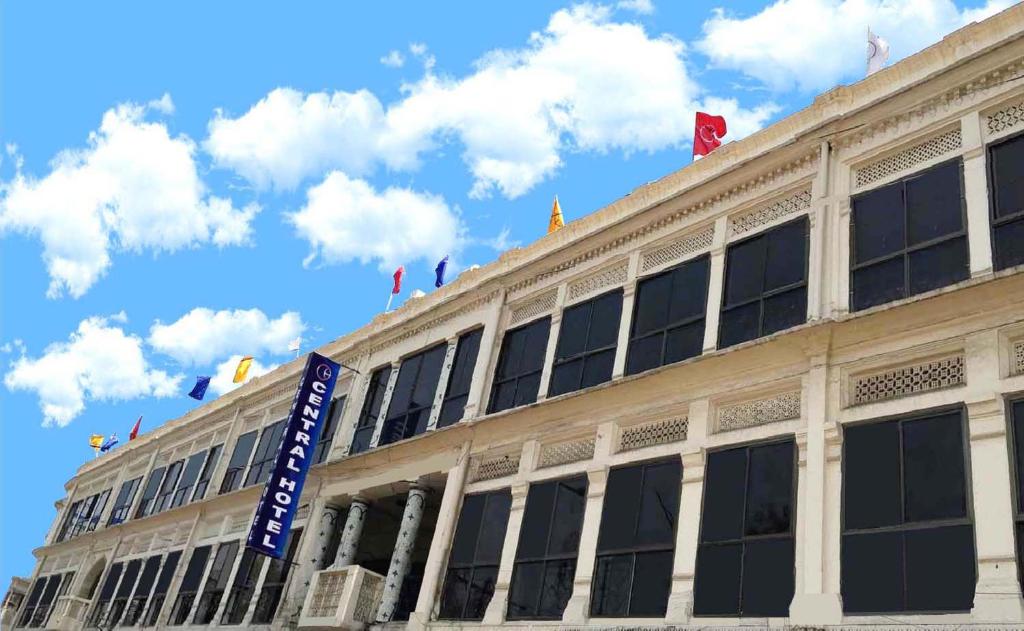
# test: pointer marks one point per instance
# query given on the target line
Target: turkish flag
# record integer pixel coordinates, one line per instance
(707, 133)
(398, 279)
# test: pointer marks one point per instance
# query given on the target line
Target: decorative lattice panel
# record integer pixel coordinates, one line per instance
(369, 597)
(1006, 118)
(327, 593)
(781, 407)
(657, 433)
(1017, 361)
(770, 212)
(677, 249)
(610, 277)
(495, 467)
(900, 382)
(564, 453)
(909, 158)
(544, 302)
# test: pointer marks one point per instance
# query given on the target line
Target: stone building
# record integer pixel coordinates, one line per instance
(779, 386)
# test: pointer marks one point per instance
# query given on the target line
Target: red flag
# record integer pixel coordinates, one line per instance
(135, 430)
(707, 133)
(398, 279)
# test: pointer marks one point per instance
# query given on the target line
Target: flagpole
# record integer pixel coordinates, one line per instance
(388, 307)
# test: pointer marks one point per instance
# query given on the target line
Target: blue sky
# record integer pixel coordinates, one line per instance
(163, 166)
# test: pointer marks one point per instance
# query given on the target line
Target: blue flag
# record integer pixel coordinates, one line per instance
(199, 390)
(439, 270)
(107, 446)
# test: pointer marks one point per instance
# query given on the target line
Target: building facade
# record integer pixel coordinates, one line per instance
(782, 386)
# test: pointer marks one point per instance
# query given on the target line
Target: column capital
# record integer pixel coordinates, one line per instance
(986, 416)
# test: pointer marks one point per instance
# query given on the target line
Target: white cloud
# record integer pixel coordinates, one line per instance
(99, 362)
(643, 7)
(221, 381)
(133, 188)
(203, 335)
(346, 219)
(164, 104)
(586, 83)
(394, 59)
(814, 44)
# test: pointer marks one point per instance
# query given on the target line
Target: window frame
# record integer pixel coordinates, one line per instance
(449, 396)
(497, 381)
(202, 485)
(164, 495)
(215, 587)
(586, 353)
(146, 505)
(258, 471)
(324, 442)
(990, 179)
(390, 421)
(234, 476)
(367, 421)
(122, 512)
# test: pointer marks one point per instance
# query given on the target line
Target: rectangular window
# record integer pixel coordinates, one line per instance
(239, 459)
(409, 409)
(475, 555)
(70, 519)
(123, 503)
(148, 501)
(371, 410)
(42, 611)
(242, 587)
(138, 602)
(765, 284)
(520, 362)
(546, 555)
(189, 475)
(587, 338)
(636, 541)
(163, 498)
(908, 540)
(160, 591)
(1017, 436)
(124, 590)
(745, 559)
(189, 585)
(32, 602)
(216, 582)
(668, 316)
(266, 451)
(99, 611)
(460, 378)
(1006, 183)
(908, 237)
(326, 439)
(203, 483)
(275, 581)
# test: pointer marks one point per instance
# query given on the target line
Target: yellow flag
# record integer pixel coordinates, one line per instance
(96, 441)
(242, 370)
(556, 221)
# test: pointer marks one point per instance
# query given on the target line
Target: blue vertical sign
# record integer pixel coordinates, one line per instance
(280, 499)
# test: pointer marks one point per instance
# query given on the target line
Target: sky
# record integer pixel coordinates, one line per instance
(182, 184)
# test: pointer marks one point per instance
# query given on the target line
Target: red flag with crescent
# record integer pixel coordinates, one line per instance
(708, 133)
(398, 279)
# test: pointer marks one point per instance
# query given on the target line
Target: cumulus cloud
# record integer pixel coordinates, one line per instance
(394, 59)
(221, 381)
(203, 335)
(814, 44)
(643, 7)
(346, 219)
(99, 362)
(586, 83)
(133, 188)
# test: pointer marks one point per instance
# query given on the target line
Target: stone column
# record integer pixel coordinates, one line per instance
(680, 600)
(385, 403)
(626, 321)
(404, 544)
(310, 557)
(818, 277)
(495, 614)
(716, 284)
(487, 355)
(577, 610)
(979, 233)
(350, 534)
(549, 353)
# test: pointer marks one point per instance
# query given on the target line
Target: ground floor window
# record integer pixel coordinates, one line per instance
(1017, 433)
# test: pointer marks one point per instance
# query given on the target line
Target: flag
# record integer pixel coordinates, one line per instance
(199, 390)
(96, 441)
(295, 344)
(242, 370)
(398, 279)
(107, 446)
(878, 53)
(556, 221)
(442, 266)
(135, 430)
(707, 133)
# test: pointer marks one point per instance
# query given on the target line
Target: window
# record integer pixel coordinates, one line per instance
(636, 541)
(475, 555)
(1006, 181)
(148, 501)
(765, 284)
(65, 586)
(520, 362)
(908, 237)
(84, 515)
(586, 344)
(123, 503)
(216, 582)
(275, 581)
(546, 555)
(668, 316)
(242, 587)
(99, 611)
(124, 590)
(266, 451)
(745, 559)
(409, 409)
(460, 379)
(189, 475)
(163, 498)
(371, 410)
(189, 586)
(49, 593)
(162, 585)
(236, 466)
(138, 602)
(204, 478)
(908, 541)
(33, 600)
(326, 439)
(70, 519)
(1017, 435)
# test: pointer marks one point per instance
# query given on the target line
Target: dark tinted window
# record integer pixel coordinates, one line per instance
(266, 451)
(765, 284)
(475, 555)
(138, 603)
(148, 500)
(1017, 434)
(123, 503)
(243, 587)
(517, 378)
(1006, 178)
(409, 408)
(208, 468)
(160, 590)
(239, 458)
(189, 585)
(460, 379)
(171, 477)
(216, 582)
(745, 559)
(908, 541)
(274, 582)
(636, 541)
(189, 475)
(586, 345)
(327, 432)
(368, 416)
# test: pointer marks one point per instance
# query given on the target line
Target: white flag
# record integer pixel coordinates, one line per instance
(878, 52)
(294, 344)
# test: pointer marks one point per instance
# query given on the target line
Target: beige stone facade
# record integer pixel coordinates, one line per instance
(958, 347)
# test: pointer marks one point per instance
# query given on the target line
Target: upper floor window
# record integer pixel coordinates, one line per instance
(124, 590)
(908, 237)
(460, 379)
(263, 459)
(587, 338)
(171, 477)
(239, 458)
(908, 539)
(765, 284)
(242, 587)
(409, 409)
(148, 501)
(123, 503)
(475, 555)
(208, 468)
(190, 476)
(274, 581)
(367, 422)
(163, 583)
(216, 582)
(84, 515)
(141, 595)
(189, 585)
(668, 316)
(520, 363)
(1006, 177)
(99, 611)
(326, 438)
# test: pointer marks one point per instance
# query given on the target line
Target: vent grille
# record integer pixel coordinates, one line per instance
(1006, 118)
(677, 250)
(564, 453)
(535, 307)
(769, 213)
(657, 433)
(496, 467)
(940, 373)
(909, 158)
(610, 277)
(781, 407)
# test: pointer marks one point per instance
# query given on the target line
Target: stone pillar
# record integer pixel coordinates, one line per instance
(979, 233)
(350, 534)
(404, 544)
(626, 321)
(310, 557)
(385, 403)
(716, 284)
(818, 278)
(487, 355)
(354, 409)
(842, 236)
(577, 610)
(442, 383)
(549, 353)
(680, 600)
(495, 614)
